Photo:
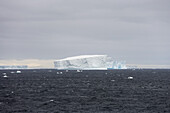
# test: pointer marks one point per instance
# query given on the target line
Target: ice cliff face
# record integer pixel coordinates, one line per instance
(87, 62)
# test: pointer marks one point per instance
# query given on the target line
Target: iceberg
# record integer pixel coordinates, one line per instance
(13, 66)
(88, 62)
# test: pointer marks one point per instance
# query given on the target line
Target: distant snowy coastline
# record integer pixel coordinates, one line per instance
(13, 66)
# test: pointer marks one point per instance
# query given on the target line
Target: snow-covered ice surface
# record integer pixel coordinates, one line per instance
(89, 62)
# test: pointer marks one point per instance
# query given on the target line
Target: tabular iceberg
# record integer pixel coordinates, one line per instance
(14, 67)
(88, 62)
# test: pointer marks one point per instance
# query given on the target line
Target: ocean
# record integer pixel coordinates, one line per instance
(94, 91)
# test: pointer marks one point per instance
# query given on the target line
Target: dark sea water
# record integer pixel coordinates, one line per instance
(49, 91)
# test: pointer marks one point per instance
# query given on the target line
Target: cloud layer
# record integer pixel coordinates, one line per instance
(133, 30)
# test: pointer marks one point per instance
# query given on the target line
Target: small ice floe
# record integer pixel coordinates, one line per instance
(143, 87)
(79, 71)
(112, 80)
(12, 72)
(59, 72)
(18, 72)
(66, 70)
(130, 78)
(105, 73)
(51, 100)
(5, 76)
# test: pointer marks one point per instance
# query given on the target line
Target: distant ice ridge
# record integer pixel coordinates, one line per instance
(89, 62)
(14, 67)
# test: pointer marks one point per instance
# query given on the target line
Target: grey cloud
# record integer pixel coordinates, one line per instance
(137, 31)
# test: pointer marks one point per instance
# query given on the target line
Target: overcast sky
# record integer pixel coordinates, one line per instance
(137, 31)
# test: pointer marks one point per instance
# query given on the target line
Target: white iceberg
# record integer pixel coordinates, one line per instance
(18, 71)
(88, 62)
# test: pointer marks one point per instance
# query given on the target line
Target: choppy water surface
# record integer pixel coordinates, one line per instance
(112, 91)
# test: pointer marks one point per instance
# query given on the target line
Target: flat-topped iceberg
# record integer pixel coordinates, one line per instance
(88, 62)
(13, 66)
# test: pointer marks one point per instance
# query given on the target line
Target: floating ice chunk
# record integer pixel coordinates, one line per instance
(18, 72)
(130, 77)
(51, 100)
(112, 80)
(142, 87)
(59, 72)
(12, 72)
(79, 70)
(5, 76)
